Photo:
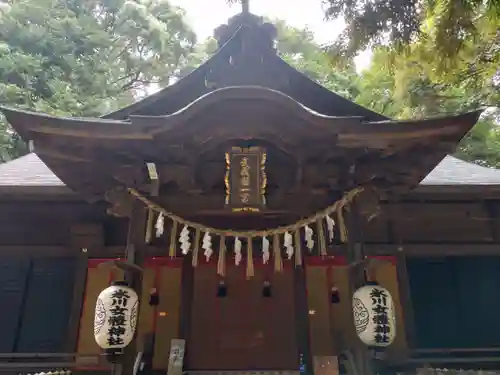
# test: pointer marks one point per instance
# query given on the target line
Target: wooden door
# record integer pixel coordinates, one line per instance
(47, 305)
(244, 330)
(13, 278)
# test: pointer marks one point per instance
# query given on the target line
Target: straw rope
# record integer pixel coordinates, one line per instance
(338, 207)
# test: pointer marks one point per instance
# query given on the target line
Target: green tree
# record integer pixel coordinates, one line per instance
(397, 23)
(85, 57)
(408, 86)
(298, 47)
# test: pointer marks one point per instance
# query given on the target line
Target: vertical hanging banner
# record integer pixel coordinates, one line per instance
(246, 179)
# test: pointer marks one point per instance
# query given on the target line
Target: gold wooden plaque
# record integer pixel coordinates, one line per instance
(246, 179)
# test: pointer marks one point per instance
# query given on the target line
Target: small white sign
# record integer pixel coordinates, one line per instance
(176, 358)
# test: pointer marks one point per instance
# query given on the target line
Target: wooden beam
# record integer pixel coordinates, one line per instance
(360, 354)
(135, 254)
(402, 276)
(442, 250)
(449, 360)
(80, 280)
(65, 156)
(302, 317)
(425, 249)
(300, 204)
(457, 350)
(410, 250)
(405, 299)
(36, 365)
(38, 193)
(84, 238)
(50, 251)
(187, 285)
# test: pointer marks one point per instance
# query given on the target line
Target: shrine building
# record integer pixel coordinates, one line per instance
(245, 204)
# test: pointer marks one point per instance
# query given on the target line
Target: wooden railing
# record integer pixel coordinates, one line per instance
(428, 362)
(437, 371)
(455, 361)
(55, 372)
(456, 356)
(53, 363)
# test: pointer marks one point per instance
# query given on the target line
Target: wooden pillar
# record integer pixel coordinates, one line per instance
(85, 239)
(405, 297)
(402, 273)
(187, 284)
(360, 354)
(302, 317)
(77, 303)
(136, 247)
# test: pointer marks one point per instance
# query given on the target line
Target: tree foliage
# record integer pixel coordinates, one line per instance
(403, 86)
(415, 81)
(298, 48)
(447, 24)
(406, 84)
(85, 57)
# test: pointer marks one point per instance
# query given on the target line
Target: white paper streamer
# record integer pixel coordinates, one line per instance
(237, 251)
(265, 250)
(288, 244)
(184, 240)
(160, 225)
(330, 224)
(309, 237)
(207, 246)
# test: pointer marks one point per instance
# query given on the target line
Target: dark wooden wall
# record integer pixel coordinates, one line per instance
(437, 242)
(436, 222)
(43, 250)
(455, 301)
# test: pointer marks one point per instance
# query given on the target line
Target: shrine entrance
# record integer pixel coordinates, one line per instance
(252, 326)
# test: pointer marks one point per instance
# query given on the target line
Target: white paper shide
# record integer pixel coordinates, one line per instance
(374, 315)
(115, 317)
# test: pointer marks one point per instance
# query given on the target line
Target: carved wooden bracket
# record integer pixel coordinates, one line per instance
(121, 202)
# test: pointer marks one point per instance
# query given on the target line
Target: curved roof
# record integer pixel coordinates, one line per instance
(270, 71)
(391, 153)
(245, 79)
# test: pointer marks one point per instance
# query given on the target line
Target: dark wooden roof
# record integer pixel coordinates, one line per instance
(92, 155)
(318, 143)
(221, 71)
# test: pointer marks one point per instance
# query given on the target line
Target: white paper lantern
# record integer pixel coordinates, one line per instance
(115, 317)
(374, 315)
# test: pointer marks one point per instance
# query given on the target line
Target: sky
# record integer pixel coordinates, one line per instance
(205, 15)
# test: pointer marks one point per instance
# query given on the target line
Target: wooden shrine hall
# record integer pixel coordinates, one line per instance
(245, 204)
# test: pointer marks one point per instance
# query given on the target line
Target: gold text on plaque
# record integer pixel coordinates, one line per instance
(245, 179)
